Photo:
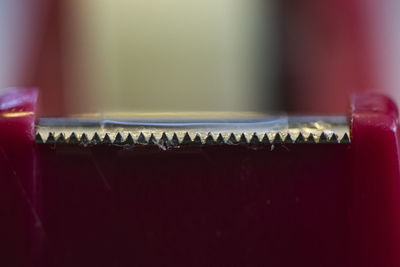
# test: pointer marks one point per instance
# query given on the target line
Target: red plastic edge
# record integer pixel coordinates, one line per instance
(20, 226)
(17, 113)
(375, 193)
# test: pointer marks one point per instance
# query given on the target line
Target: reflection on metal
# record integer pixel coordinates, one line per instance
(200, 129)
(17, 114)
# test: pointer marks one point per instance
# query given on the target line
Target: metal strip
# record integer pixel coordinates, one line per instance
(202, 131)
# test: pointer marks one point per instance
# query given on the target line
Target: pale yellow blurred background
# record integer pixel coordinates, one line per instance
(303, 56)
(176, 55)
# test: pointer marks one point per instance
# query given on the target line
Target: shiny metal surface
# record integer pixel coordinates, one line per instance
(175, 130)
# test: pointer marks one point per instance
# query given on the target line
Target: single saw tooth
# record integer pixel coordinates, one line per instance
(300, 139)
(73, 139)
(209, 139)
(345, 139)
(277, 139)
(197, 140)
(141, 140)
(96, 139)
(61, 139)
(164, 141)
(129, 140)
(323, 139)
(243, 139)
(254, 139)
(265, 140)
(232, 139)
(334, 139)
(220, 140)
(288, 139)
(84, 139)
(175, 140)
(118, 139)
(311, 139)
(38, 139)
(107, 139)
(186, 139)
(152, 140)
(50, 139)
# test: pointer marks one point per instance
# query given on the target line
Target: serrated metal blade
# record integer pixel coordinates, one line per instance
(177, 131)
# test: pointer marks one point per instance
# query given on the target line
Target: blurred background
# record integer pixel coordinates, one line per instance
(301, 56)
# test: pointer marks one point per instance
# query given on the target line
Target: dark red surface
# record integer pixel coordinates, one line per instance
(297, 205)
(217, 206)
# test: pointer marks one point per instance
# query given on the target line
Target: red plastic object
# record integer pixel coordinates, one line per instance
(20, 226)
(282, 205)
(375, 207)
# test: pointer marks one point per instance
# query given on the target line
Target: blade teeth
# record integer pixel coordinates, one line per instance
(209, 139)
(96, 139)
(152, 140)
(129, 140)
(61, 139)
(73, 139)
(197, 140)
(345, 139)
(164, 141)
(323, 139)
(38, 139)
(175, 140)
(334, 139)
(300, 139)
(243, 139)
(118, 139)
(266, 140)
(232, 140)
(84, 140)
(277, 139)
(50, 139)
(288, 139)
(186, 139)
(310, 139)
(254, 139)
(141, 139)
(107, 139)
(220, 140)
